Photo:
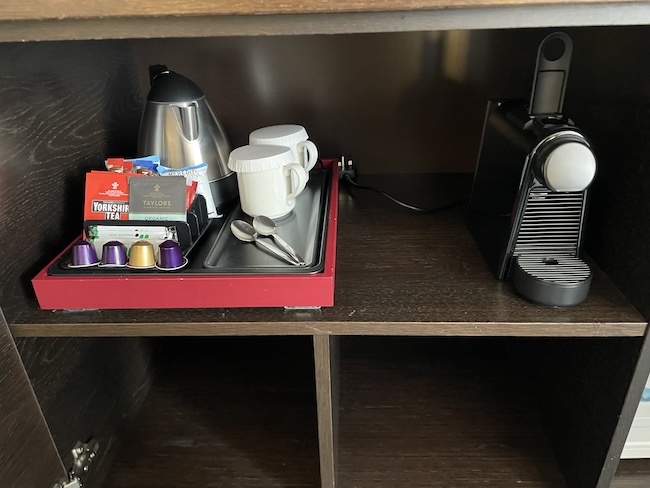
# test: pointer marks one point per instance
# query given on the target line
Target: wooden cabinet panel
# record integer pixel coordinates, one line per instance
(66, 106)
(63, 109)
(88, 389)
(28, 456)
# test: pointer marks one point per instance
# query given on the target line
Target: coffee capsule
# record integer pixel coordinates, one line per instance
(142, 255)
(114, 254)
(83, 254)
(170, 255)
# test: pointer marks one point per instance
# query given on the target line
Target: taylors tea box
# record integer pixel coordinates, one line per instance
(157, 198)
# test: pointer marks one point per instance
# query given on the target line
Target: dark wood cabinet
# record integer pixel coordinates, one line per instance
(24, 431)
(427, 371)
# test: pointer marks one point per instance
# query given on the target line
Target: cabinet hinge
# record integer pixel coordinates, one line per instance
(83, 454)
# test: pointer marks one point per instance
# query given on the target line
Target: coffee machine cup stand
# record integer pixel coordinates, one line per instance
(527, 208)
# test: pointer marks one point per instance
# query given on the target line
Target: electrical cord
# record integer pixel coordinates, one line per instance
(348, 178)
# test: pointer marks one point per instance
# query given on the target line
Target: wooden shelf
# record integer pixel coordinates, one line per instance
(43, 9)
(43, 20)
(398, 273)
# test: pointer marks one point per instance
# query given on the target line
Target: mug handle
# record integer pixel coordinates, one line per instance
(300, 181)
(312, 153)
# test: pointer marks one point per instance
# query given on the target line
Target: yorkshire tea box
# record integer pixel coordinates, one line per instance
(107, 195)
(157, 198)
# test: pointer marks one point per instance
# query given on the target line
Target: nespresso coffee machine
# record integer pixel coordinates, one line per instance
(527, 208)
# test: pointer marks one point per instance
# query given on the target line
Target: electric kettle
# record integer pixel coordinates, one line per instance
(179, 126)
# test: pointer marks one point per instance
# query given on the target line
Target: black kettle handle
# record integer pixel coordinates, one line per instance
(155, 70)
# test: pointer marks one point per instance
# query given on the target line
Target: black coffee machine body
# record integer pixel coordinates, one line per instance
(527, 209)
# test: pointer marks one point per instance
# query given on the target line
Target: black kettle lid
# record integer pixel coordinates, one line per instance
(168, 86)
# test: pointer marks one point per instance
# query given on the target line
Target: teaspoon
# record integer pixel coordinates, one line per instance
(245, 232)
(265, 226)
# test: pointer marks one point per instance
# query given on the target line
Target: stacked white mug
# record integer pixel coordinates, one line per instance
(290, 135)
(273, 169)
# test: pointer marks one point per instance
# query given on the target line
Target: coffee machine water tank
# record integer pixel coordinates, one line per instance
(179, 125)
(528, 201)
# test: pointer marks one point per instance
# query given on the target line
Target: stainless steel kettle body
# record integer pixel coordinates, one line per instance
(180, 127)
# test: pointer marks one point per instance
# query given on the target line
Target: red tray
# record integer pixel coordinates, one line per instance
(196, 291)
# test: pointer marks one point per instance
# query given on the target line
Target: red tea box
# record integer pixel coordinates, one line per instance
(107, 195)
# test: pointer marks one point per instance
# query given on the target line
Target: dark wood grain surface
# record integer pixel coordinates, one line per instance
(64, 108)
(632, 473)
(581, 387)
(326, 365)
(397, 273)
(231, 412)
(619, 230)
(23, 430)
(438, 413)
(413, 412)
(87, 389)
(14, 10)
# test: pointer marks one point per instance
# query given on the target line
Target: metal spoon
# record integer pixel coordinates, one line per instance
(265, 226)
(244, 232)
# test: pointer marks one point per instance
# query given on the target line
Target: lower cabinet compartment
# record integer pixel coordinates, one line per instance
(409, 412)
(439, 413)
(412, 412)
(224, 412)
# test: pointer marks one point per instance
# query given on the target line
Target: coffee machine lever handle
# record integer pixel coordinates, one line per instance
(551, 74)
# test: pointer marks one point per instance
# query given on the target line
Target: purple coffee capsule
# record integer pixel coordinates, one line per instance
(170, 255)
(114, 254)
(84, 254)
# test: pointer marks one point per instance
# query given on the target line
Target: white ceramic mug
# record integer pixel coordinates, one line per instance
(290, 135)
(269, 180)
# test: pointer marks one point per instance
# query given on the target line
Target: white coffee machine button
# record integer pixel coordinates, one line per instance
(569, 167)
